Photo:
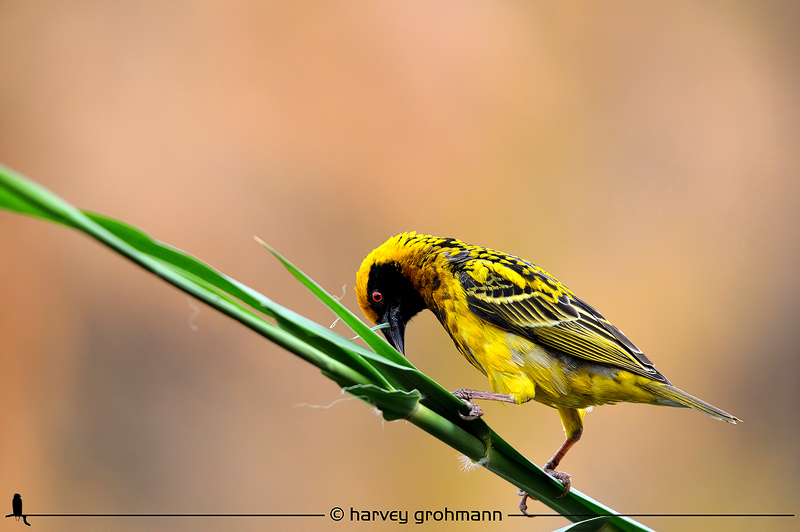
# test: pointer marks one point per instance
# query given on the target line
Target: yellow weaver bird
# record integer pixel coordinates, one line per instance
(517, 325)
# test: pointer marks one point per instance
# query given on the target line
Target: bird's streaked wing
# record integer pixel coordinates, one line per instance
(521, 298)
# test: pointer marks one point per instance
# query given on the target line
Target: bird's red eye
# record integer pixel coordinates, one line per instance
(377, 297)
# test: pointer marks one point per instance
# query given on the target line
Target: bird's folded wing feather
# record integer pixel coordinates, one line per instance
(523, 299)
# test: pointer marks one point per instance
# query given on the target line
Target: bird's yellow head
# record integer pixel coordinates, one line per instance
(391, 283)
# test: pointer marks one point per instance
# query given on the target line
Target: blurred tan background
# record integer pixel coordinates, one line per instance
(647, 154)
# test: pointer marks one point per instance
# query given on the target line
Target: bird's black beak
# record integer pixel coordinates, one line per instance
(396, 331)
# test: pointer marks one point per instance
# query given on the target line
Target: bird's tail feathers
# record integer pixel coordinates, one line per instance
(681, 398)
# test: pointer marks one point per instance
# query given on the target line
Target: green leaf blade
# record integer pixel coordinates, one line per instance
(369, 375)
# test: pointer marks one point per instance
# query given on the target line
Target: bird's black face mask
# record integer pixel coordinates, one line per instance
(394, 300)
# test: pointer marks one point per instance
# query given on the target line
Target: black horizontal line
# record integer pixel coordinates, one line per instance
(324, 515)
(175, 515)
(652, 515)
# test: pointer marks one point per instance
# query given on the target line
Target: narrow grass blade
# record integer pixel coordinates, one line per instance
(596, 524)
(372, 339)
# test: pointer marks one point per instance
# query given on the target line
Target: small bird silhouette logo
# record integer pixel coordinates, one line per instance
(16, 507)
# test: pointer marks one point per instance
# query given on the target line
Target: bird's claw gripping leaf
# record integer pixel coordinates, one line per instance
(523, 506)
(474, 411)
(564, 478)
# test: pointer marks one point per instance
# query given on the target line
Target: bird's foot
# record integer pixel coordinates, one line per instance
(523, 503)
(474, 410)
(564, 478)
(523, 506)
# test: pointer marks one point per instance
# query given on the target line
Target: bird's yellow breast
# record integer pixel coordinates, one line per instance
(496, 353)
